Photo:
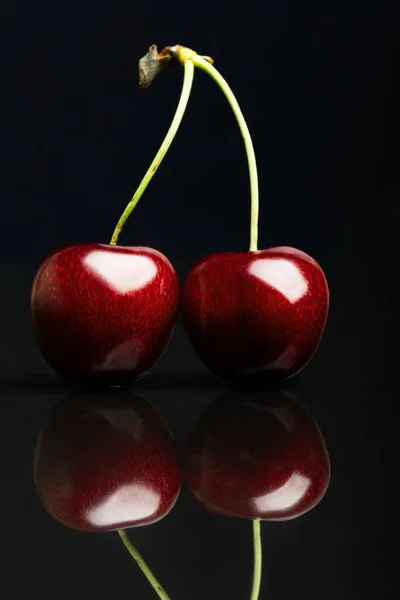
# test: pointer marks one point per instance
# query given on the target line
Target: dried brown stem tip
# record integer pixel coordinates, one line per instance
(151, 64)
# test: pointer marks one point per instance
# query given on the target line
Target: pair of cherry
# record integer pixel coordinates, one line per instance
(104, 314)
(108, 461)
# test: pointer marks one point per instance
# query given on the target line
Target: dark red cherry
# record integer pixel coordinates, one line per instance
(104, 314)
(106, 461)
(255, 315)
(257, 455)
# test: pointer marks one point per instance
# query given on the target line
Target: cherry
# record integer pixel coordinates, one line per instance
(257, 315)
(257, 455)
(104, 314)
(106, 461)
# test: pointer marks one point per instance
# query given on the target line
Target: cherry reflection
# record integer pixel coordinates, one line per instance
(257, 455)
(105, 461)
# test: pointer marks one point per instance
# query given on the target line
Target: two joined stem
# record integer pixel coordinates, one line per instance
(189, 60)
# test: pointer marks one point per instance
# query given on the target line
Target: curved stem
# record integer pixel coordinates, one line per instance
(186, 88)
(145, 569)
(251, 159)
(255, 592)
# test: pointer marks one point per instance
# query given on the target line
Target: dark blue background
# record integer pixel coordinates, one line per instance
(316, 82)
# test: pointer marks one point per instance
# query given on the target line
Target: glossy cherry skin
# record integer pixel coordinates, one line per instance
(104, 314)
(255, 315)
(257, 455)
(106, 461)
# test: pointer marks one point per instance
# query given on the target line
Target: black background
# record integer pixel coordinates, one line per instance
(317, 84)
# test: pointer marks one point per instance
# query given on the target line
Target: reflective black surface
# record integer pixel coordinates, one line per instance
(338, 549)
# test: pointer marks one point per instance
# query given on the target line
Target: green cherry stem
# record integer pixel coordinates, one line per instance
(203, 64)
(255, 592)
(185, 93)
(143, 566)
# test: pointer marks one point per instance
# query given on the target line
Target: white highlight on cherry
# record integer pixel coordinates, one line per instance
(285, 361)
(287, 496)
(282, 275)
(129, 503)
(123, 272)
(124, 357)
